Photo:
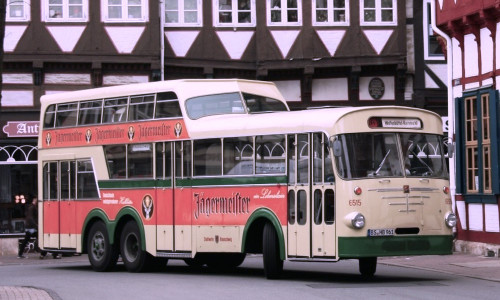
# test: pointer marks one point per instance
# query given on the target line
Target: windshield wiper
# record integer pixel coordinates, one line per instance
(382, 163)
(430, 172)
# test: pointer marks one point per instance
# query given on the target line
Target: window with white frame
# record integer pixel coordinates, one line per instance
(234, 13)
(65, 10)
(378, 12)
(330, 12)
(284, 12)
(432, 48)
(124, 10)
(183, 13)
(18, 10)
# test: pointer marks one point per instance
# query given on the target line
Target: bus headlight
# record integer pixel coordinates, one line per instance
(355, 220)
(450, 219)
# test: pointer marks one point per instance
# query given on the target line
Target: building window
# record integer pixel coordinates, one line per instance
(284, 12)
(18, 10)
(234, 13)
(65, 10)
(183, 13)
(477, 133)
(471, 156)
(432, 48)
(330, 12)
(378, 12)
(125, 10)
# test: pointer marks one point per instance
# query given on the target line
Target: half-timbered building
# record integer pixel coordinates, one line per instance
(471, 28)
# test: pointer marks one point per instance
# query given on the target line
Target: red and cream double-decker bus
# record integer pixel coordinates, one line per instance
(210, 170)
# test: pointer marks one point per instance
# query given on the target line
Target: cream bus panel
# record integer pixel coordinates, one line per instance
(218, 238)
(165, 237)
(183, 238)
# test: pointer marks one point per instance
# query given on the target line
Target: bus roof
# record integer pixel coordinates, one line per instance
(184, 88)
(328, 120)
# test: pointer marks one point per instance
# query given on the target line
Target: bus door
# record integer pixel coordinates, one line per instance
(299, 195)
(51, 214)
(182, 196)
(164, 197)
(323, 199)
(67, 207)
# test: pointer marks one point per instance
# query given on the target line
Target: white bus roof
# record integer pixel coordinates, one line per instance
(328, 120)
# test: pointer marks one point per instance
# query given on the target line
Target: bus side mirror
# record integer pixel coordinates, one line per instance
(337, 148)
(451, 149)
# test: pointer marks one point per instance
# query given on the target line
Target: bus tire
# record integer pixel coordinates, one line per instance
(367, 266)
(102, 255)
(273, 265)
(134, 258)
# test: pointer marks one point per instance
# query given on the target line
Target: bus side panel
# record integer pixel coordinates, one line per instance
(221, 213)
(67, 224)
(165, 219)
(51, 224)
(182, 219)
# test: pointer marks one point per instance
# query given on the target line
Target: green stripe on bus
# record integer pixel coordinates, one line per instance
(356, 247)
(222, 181)
(186, 182)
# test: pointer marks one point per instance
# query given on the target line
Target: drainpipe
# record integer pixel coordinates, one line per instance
(451, 102)
(162, 40)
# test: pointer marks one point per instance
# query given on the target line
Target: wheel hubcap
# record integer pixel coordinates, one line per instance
(98, 247)
(131, 247)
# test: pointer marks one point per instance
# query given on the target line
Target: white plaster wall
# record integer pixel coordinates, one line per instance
(462, 217)
(476, 217)
(67, 78)
(498, 47)
(471, 59)
(471, 85)
(18, 78)
(498, 81)
(491, 221)
(290, 89)
(487, 81)
(486, 51)
(17, 98)
(330, 89)
(123, 79)
(457, 59)
(457, 91)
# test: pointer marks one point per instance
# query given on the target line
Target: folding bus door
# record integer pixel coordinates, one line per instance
(299, 196)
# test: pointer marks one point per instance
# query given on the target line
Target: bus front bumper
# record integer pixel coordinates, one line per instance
(356, 247)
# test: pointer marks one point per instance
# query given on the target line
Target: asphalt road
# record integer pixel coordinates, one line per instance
(73, 278)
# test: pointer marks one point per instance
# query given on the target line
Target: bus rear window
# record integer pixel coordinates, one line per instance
(256, 104)
(210, 105)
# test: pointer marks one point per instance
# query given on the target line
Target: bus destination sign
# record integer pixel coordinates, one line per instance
(401, 123)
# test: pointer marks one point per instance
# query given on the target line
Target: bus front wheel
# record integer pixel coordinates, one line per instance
(102, 255)
(367, 266)
(273, 265)
(134, 258)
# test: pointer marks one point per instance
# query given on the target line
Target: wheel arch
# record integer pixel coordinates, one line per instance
(254, 228)
(114, 227)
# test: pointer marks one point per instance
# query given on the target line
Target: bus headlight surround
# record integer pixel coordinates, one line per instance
(355, 220)
(450, 219)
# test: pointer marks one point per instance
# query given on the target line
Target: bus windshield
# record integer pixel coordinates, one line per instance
(366, 155)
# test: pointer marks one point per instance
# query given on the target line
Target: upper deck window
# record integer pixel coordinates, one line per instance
(90, 112)
(66, 114)
(256, 103)
(167, 106)
(115, 110)
(141, 107)
(210, 105)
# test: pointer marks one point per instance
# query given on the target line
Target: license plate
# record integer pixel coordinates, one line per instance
(380, 232)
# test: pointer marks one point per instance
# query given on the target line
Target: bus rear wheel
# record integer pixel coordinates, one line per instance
(273, 265)
(102, 255)
(134, 258)
(368, 266)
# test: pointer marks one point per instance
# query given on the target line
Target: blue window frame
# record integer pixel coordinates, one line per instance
(477, 136)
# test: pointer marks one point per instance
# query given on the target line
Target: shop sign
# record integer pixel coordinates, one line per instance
(22, 129)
